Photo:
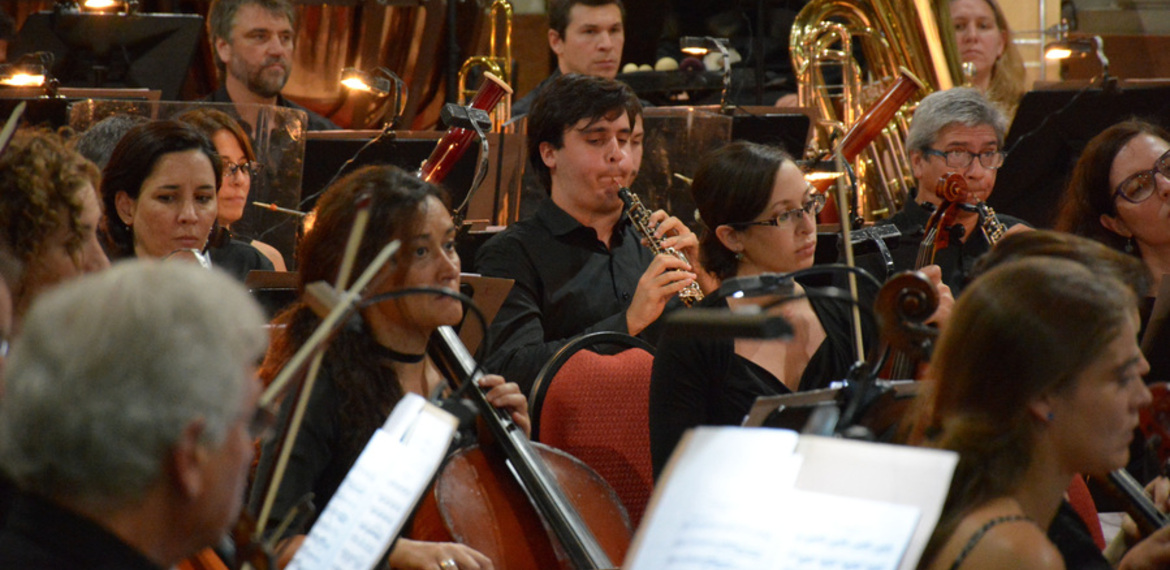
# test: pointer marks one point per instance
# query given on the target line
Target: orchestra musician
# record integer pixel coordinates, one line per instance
(1068, 530)
(129, 416)
(587, 37)
(1119, 195)
(159, 192)
(10, 270)
(578, 264)
(956, 130)
(985, 39)
(366, 371)
(1036, 378)
(239, 168)
(50, 214)
(759, 216)
(253, 43)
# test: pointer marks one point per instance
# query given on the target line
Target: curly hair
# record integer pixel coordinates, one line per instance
(397, 205)
(40, 177)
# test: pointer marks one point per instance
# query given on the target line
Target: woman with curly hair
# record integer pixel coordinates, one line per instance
(50, 213)
(368, 368)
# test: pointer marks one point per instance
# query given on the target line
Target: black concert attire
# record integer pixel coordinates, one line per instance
(238, 258)
(1072, 538)
(41, 535)
(316, 122)
(956, 260)
(523, 105)
(567, 283)
(699, 381)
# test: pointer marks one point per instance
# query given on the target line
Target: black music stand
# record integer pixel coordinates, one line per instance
(1050, 130)
(114, 50)
(793, 411)
(328, 151)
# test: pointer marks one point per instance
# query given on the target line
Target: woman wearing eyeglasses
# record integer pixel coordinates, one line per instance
(759, 216)
(1119, 195)
(239, 167)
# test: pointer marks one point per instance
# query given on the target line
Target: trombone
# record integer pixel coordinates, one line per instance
(500, 66)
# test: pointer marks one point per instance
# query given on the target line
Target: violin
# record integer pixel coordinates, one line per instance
(521, 504)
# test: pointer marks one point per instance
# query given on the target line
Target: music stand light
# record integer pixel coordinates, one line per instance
(1079, 46)
(110, 6)
(30, 70)
(384, 85)
(701, 45)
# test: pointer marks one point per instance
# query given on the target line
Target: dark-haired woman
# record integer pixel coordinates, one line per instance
(159, 191)
(367, 371)
(760, 217)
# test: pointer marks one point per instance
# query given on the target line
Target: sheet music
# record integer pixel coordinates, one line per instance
(373, 502)
(732, 498)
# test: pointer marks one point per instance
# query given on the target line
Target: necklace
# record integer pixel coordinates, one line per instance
(395, 356)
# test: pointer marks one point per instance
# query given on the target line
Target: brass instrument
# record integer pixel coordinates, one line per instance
(640, 217)
(893, 34)
(494, 63)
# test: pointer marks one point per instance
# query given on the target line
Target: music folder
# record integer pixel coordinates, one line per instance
(372, 504)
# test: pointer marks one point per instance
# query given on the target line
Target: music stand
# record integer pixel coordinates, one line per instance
(1050, 130)
(114, 50)
(792, 411)
(405, 149)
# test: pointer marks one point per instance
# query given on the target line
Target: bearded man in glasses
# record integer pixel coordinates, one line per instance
(952, 131)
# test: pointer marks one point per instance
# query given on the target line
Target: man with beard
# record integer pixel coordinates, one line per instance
(253, 45)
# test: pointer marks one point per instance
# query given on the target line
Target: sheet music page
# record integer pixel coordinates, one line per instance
(895, 474)
(733, 498)
(373, 502)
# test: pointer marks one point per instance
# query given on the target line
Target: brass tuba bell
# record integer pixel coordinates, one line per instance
(494, 63)
(891, 35)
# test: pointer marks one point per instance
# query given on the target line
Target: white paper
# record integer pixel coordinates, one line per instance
(373, 502)
(755, 498)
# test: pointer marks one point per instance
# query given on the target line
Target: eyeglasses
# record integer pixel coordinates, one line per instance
(1142, 185)
(815, 204)
(961, 159)
(247, 168)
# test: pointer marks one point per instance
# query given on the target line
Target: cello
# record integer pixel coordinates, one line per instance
(522, 504)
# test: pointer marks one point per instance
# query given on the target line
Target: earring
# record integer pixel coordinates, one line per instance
(1051, 416)
(1129, 246)
(739, 256)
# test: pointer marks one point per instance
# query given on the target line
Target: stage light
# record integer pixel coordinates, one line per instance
(388, 89)
(701, 45)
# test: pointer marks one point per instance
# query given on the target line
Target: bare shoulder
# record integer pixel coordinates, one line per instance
(995, 539)
(271, 253)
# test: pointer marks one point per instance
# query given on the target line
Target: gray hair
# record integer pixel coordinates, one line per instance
(113, 366)
(98, 141)
(959, 105)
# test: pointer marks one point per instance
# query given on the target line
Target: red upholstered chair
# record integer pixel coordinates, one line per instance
(596, 407)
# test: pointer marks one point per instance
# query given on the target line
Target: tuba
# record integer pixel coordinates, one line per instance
(890, 35)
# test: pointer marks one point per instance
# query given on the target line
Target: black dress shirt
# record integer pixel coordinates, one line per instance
(239, 258)
(956, 260)
(40, 535)
(567, 282)
(524, 104)
(316, 122)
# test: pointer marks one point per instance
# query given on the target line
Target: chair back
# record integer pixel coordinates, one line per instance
(596, 407)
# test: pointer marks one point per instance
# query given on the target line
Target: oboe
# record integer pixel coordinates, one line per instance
(640, 217)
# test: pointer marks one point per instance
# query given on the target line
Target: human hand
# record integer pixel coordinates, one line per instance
(507, 396)
(673, 233)
(1151, 553)
(946, 299)
(417, 555)
(666, 276)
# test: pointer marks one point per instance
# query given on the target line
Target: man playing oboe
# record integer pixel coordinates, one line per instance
(578, 265)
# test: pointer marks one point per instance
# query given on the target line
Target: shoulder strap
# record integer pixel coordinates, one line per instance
(978, 535)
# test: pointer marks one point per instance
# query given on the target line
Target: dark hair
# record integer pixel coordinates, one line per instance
(1053, 244)
(733, 184)
(98, 141)
(39, 182)
(397, 207)
(567, 100)
(1024, 329)
(558, 12)
(210, 121)
(221, 17)
(1089, 194)
(132, 163)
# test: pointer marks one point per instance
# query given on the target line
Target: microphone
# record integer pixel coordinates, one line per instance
(726, 323)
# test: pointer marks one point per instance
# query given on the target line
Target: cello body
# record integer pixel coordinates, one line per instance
(477, 501)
